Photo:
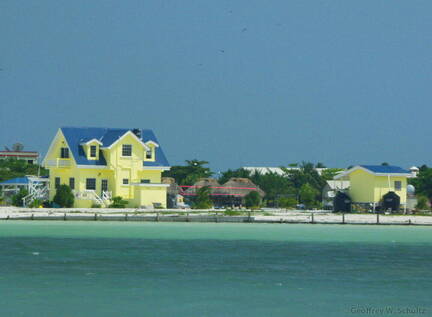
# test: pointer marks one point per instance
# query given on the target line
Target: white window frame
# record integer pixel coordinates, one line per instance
(123, 150)
(95, 151)
(87, 180)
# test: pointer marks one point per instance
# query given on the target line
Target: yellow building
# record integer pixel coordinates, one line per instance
(370, 183)
(101, 163)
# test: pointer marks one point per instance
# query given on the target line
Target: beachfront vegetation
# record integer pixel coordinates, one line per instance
(308, 195)
(423, 182)
(203, 200)
(36, 203)
(253, 200)
(287, 202)
(281, 190)
(64, 196)
(17, 199)
(118, 202)
(190, 173)
(422, 203)
(12, 168)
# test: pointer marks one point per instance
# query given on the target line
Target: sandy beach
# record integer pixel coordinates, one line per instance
(175, 215)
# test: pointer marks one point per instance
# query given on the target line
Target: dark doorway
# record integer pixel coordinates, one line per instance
(391, 202)
(342, 202)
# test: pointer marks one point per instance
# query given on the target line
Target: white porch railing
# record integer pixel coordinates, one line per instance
(38, 189)
(59, 162)
(103, 200)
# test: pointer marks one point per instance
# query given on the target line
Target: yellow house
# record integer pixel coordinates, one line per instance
(369, 183)
(101, 163)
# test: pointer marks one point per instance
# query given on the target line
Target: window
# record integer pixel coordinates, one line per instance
(145, 181)
(398, 185)
(57, 182)
(126, 150)
(104, 185)
(91, 183)
(72, 183)
(149, 154)
(125, 181)
(29, 161)
(93, 151)
(64, 152)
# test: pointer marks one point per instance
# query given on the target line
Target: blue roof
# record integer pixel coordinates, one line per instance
(75, 136)
(16, 181)
(386, 169)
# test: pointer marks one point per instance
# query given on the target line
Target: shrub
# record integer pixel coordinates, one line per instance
(202, 200)
(422, 203)
(95, 206)
(308, 195)
(230, 212)
(118, 202)
(287, 202)
(17, 199)
(253, 200)
(64, 196)
(36, 203)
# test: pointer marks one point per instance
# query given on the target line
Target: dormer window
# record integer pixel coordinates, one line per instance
(93, 149)
(64, 152)
(149, 154)
(126, 150)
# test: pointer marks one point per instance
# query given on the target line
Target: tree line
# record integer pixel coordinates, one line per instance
(302, 185)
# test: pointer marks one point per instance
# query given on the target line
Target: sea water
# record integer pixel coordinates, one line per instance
(191, 269)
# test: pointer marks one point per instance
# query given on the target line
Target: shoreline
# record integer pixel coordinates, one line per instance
(209, 216)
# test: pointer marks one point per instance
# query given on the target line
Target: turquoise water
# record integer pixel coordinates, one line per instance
(189, 269)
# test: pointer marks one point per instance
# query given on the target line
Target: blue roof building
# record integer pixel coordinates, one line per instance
(99, 163)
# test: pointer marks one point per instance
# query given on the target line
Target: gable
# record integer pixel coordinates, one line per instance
(108, 137)
(57, 143)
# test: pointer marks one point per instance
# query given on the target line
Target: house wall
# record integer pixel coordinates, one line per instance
(361, 186)
(368, 188)
(382, 187)
(146, 196)
(118, 168)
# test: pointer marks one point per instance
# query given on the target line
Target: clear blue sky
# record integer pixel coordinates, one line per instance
(237, 83)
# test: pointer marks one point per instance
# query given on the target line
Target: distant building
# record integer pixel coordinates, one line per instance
(37, 188)
(31, 157)
(278, 170)
(332, 187)
(232, 193)
(379, 186)
(414, 171)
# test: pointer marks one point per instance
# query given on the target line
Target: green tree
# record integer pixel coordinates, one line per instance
(202, 200)
(64, 196)
(422, 203)
(287, 202)
(118, 202)
(330, 173)
(241, 172)
(190, 173)
(17, 199)
(253, 200)
(12, 168)
(274, 186)
(306, 174)
(308, 195)
(423, 182)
